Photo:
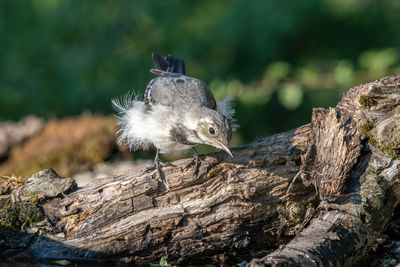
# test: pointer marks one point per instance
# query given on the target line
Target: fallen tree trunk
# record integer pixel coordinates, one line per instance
(332, 185)
(353, 162)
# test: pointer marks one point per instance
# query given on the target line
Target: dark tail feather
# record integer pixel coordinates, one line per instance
(169, 64)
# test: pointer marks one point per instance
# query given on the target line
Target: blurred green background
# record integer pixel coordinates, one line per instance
(278, 58)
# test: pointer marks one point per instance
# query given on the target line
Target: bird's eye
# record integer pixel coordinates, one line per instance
(211, 130)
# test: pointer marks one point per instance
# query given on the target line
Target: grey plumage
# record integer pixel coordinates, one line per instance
(178, 112)
(178, 90)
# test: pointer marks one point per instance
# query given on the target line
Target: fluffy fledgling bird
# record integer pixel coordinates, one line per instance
(178, 112)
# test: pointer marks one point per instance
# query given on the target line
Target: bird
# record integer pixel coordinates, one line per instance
(177, 113)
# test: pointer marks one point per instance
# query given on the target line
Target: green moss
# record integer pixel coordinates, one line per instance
(309, 205)
(380, 208)
(366, 101)
(366, 129)
(10, 183)
(35, 199)
(163, 263)
(295, 211)
(390, 151)
(297, 216)
(19, 216)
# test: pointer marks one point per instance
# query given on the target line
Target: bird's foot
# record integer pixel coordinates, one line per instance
(196, 161)
(158, 165)
(167, 164)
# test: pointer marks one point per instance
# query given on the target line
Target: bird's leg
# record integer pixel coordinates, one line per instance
(158, 165)
(197, 162)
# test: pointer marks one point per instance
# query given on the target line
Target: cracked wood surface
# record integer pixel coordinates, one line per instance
(356, 170)
(317, 195)
(231, 207)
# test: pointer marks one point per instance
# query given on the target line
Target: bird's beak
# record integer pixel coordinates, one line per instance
(226, 148)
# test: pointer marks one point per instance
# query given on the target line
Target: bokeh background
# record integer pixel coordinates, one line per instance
(279, 59)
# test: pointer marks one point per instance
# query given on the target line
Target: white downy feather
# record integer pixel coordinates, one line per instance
(130, 120)
(225, 107)
(141, 127)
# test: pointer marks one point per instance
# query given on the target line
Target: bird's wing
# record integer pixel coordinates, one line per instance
(155, 95)
(194, 91)
(165, 67)
(173, 87)
(178, 90)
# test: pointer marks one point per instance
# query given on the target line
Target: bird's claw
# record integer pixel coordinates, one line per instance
(167, 164)
(196, 161)
(158, 165)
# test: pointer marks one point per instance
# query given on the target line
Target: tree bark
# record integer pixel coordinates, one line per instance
(353, 161)
(316, 195)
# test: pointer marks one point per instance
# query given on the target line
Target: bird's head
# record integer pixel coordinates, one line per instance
(215, 129)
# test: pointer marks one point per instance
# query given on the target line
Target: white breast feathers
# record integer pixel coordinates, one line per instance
(141, 128)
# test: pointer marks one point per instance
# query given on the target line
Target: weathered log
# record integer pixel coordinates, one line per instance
(332, 185)
(357, 179)
(219, 210)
